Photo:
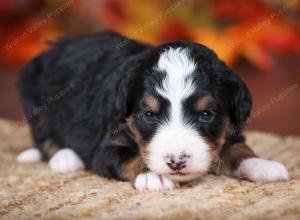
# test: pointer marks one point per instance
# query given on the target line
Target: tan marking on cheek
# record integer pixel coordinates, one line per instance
(138, 137)
(202, 103)
(152, 103)
(216, 146)
(133, 167)
(222, 139)
(134, 130)
(212, 145)
(213, 154)
(212, 149)
(215, 161)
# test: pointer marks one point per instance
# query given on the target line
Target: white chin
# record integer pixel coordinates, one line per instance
(185, 177)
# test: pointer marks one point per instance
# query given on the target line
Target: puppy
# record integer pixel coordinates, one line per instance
(155, 116)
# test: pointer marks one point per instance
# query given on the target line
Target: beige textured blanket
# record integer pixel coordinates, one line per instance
(33, 191)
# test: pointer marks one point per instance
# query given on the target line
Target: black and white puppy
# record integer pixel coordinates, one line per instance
(155, 116)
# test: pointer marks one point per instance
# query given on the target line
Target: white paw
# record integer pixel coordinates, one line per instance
(31, 155)
(153, 182)
(65, 160)
(260, 170)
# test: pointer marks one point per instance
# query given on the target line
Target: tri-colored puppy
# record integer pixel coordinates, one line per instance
(155, 116)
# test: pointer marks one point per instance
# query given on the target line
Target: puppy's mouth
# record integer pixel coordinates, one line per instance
(178, 173)
(179, 176)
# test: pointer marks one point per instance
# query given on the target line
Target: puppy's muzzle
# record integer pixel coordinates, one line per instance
(176, 162)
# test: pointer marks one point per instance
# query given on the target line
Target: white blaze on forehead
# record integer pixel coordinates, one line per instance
(176, 60)
(175, 136)
(177, 85)
(177, 65)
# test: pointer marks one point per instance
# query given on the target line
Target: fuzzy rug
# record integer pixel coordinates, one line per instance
(33, 191)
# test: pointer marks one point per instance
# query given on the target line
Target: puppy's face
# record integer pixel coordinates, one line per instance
(181, 118)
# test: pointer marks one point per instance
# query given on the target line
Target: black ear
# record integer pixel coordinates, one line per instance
(120, 108)
(131, 75)
(239, 99)
(127, 91)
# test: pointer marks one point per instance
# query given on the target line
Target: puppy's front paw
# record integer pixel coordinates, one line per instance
(260, 170)
(30, 155)
(153, 182)
(65, 160)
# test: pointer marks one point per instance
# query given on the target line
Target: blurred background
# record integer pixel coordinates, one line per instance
(259, 39)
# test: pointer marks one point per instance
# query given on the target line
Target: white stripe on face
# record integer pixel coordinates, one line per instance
(178, 66)
(175, 136)
(177, 85)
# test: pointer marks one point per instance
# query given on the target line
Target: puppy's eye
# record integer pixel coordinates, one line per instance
(149, 116)
(206, 116)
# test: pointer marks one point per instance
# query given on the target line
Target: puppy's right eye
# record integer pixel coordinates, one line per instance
(150, 116)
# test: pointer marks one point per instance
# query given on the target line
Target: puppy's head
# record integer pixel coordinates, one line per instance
(187, 101)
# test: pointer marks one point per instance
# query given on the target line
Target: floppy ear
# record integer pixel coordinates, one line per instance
(130, 87)
(120, 100)
(239, 99)
(127, 91)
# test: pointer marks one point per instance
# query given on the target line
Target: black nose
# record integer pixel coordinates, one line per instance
(176, 163)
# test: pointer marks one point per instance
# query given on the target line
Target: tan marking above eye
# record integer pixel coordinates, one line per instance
(203, 102)
(152, 103)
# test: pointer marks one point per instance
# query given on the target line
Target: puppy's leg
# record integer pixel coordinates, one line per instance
(30, 155)
(34, 154)
(124, 163)
(240, 161)
(66, 160)
(40, 134)
(44, 151)
(135, 171)
(153, 182)
(118, 162)
(143, 179)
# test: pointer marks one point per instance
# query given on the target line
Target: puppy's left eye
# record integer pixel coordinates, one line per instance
(206, 116)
